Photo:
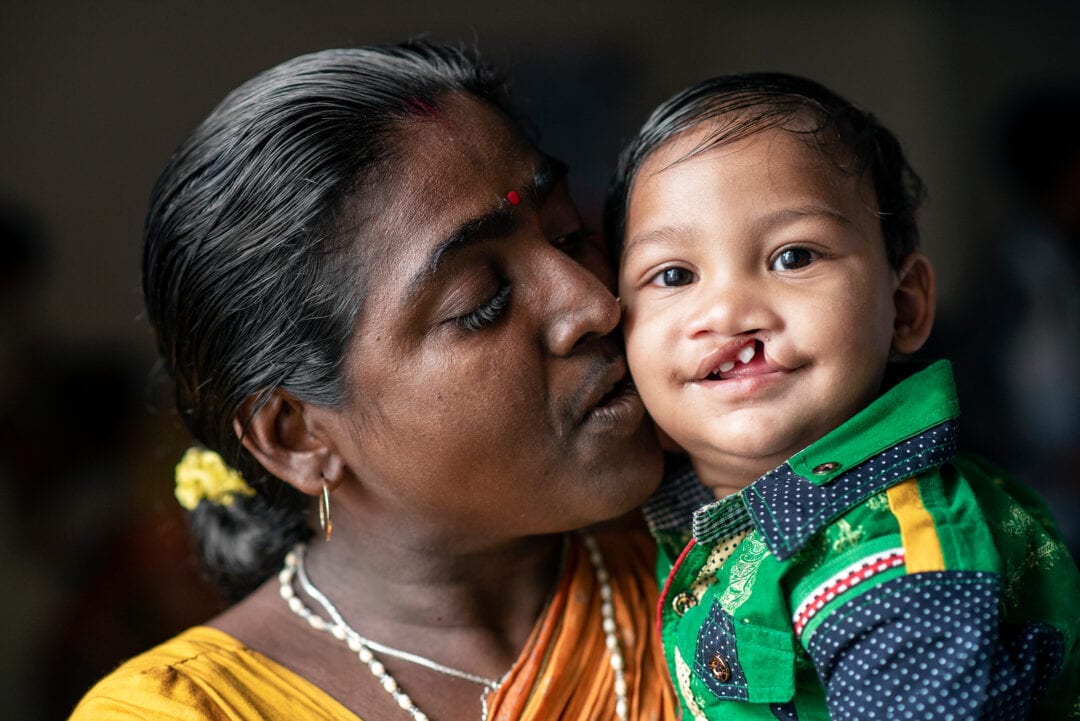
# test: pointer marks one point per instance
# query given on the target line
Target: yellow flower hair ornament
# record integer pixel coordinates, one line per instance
(203, 474)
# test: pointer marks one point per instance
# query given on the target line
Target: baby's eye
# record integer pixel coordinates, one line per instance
(794, 258)
(673, 277)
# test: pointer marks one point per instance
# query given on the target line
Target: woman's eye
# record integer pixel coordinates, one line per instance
(794, 258)
(571, 242)
(488, 312)
(673, 277)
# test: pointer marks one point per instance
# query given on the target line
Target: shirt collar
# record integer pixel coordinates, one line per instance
(905, 431)
(921, 401)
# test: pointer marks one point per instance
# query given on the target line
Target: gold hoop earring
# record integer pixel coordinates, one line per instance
(325, 521)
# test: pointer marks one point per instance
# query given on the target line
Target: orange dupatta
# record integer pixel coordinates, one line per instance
(565, 670)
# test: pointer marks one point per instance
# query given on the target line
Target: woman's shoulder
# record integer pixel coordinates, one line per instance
(167, 681)
(204, 673)
(196, 645)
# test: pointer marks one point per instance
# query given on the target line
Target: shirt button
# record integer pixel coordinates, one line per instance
(719, 669)
(824, 468)
(683, 602)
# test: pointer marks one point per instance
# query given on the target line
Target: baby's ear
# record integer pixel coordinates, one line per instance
(284, 436)
(915, 300)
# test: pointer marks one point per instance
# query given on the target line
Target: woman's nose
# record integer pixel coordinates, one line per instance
(577, 305)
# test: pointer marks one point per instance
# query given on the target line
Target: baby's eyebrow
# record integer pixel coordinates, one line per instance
(784, 216)
(658, 236)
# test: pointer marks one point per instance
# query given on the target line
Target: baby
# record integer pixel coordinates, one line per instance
(824, 550)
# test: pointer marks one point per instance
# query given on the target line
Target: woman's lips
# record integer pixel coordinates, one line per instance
(620, 408)
(614, 402)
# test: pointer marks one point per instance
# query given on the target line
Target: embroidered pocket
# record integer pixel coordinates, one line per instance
(744, 662)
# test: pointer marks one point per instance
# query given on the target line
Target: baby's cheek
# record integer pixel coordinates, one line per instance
(651, 359)
(663, 406)
(648, 364)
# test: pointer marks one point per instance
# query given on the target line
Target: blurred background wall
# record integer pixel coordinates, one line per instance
(94, 96)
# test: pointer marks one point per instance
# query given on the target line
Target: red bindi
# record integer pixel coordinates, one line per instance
(513, 197)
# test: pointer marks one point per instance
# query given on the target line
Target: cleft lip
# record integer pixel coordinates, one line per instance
(727, 353)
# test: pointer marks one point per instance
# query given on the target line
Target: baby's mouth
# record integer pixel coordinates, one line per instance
(748, 360)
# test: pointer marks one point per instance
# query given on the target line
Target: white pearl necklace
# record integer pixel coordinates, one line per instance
(363, 647)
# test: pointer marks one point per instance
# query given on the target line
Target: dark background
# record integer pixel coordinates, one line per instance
(94, 96)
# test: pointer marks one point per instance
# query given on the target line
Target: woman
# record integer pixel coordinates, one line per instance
(377, 301)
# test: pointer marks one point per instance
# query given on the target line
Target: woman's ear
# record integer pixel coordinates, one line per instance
(915, 301)
(282, 437)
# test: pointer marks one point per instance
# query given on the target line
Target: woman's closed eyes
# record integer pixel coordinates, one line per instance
(488, 312)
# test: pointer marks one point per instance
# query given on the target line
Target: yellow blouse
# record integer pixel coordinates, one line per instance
(564, 672)
(206, 674)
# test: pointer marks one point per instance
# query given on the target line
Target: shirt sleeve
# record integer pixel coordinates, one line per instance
(929, 645)
(916, 628)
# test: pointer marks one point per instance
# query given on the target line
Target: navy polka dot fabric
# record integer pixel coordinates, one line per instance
(1031, 659)
(926, 646)
(716, 640)
(784, 711)
(788, 510)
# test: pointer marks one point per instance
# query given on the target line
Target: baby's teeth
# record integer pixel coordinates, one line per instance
(746, 354)
(725, 366)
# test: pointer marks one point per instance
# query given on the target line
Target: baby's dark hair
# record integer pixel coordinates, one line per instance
(744, 104)
(253, 278)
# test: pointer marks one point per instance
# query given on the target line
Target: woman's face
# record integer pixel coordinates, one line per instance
(488, 384)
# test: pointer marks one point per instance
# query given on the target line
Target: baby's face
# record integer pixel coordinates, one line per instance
(759, 300)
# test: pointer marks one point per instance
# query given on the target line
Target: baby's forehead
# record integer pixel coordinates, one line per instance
(731, 132)
(816, 157)
(695, 185)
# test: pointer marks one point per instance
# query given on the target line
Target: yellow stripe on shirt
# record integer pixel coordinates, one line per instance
(917, 532)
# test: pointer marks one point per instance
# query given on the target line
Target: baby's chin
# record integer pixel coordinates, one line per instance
(732, 473)
(737, 465)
